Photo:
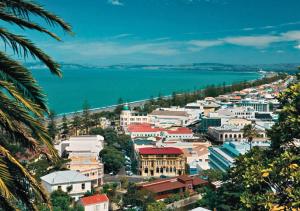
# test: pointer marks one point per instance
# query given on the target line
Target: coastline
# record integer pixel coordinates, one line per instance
(137, 103)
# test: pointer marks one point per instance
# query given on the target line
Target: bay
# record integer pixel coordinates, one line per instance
(103, 87)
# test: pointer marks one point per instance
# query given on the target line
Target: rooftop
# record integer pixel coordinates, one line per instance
(160, 151)
(168, 113)
(145, 127)
(62, 177)
(95, 199)
(162, 185)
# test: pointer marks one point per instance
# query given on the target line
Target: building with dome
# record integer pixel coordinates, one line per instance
(128, 117)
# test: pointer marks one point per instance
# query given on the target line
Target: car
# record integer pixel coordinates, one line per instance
(112, 173)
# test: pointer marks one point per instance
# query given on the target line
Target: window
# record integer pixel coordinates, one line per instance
(83, 186)
(59, 187)
(98, 207)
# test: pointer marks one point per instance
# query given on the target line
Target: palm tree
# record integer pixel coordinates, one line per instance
(22, 103)
(250, 132)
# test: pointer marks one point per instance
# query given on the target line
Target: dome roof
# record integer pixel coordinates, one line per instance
(126, 107)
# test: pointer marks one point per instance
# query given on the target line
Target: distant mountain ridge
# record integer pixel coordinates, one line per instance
(284, 67)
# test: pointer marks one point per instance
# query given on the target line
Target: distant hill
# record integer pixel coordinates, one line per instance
(285, 67)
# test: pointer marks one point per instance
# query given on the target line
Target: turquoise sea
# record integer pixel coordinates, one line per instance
(103, 87)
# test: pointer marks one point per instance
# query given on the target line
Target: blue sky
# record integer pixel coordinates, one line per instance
(175, 31)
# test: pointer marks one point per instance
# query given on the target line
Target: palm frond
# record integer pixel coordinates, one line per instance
(23, 9)
(22, 179)
(23, 100)
(24, 46)
(25, 24)
(17, 74)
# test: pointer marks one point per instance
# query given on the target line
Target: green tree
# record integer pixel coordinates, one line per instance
(113, 159)
(136, 197)
(212, 175)
(23, 104)
(64, 127)
(52, 127)
(250, 132)
(157, 206)
(76, 123)
(269, 179)
(86, 120)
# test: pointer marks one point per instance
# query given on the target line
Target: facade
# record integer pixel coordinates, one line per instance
(223, 157)
(98, 202)
(237, 112)
(238, 122)
(163, 188)
(257, 105)
(168, 118)
(128, 117)
(158, 161)
(232, 133)
(197, 158)
(207, 122)
(89, 166)
(71, 182)
(92, 144)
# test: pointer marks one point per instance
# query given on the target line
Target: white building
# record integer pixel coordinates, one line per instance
(98, 202)
(128, 117)
(89, 166)
(147, 130)
(71, 182)
(232, 133)
(257, 105)
(92, 144)
(237, 112)
(166, 117)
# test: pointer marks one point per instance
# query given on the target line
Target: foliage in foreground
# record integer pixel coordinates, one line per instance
(23, 104)
(266, 179)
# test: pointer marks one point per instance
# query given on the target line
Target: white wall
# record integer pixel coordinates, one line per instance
(97, 207)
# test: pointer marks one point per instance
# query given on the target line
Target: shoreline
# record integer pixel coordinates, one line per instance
(134, 103)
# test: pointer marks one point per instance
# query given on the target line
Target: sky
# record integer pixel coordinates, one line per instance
(174, 31)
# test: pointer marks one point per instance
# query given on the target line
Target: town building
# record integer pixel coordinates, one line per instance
(158, 161)
(89, 166)
(72, 182)
(163, 188)
(147, 130)
(83, 153)
(128, 117)
(98, 202)
(206, 122)
(197, 158)
(232, 133)
(168, 118)
(223, 157)
(92, 144)
(257, 105)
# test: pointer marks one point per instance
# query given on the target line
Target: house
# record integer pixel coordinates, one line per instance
(163, 188)
(98, 202)
(72, 182)
(89, 166)
(157, 161)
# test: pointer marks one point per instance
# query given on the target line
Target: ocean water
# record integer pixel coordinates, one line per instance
(103, 87)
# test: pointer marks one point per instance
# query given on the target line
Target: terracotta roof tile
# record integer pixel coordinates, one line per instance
(98, 198)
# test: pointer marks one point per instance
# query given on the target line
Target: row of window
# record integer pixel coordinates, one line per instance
(70, 187)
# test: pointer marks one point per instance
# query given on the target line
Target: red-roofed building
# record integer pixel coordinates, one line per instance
(98, 202)
(157, 161)
(163, 188)
(147, 130)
